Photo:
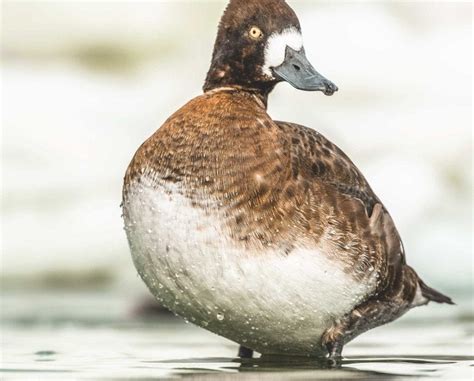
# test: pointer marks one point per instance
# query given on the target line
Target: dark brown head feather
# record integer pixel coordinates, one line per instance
(237, 59)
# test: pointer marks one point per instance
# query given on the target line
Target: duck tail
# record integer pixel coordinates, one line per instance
(432, 295)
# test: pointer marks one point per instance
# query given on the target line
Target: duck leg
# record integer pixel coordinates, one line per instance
(245, 353)
(376, 311)
(334, 340)
(368, 315)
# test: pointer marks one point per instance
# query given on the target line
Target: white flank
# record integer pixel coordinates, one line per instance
(419, 299)
(276, 48)
(269, 301)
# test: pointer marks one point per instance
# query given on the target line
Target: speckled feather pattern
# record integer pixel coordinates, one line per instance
(274, 182)
(274, 189)
(262, 231)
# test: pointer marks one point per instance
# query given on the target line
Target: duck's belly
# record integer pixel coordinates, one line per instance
(266, 300)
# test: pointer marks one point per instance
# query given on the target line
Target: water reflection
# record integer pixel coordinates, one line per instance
(276, 367)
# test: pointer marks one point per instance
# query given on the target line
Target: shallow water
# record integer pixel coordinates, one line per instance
(98, 336)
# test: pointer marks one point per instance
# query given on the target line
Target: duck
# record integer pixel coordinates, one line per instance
(263, 231)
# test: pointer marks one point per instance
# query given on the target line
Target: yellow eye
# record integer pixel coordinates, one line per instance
(255, 33)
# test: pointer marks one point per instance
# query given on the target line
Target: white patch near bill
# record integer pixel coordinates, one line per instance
(276, 48)
(267, 300)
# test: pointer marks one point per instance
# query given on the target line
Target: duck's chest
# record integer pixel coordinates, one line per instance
(265, 298)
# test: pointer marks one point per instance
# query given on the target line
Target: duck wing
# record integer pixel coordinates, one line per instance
(359, 211)
(315, 159)
(323, 161)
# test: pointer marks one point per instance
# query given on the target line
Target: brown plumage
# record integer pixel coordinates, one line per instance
(271, 187)
(234, 60)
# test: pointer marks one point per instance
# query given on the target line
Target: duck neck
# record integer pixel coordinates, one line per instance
(260, 96)
(228, 71)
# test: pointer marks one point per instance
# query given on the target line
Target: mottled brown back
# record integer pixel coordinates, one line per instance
(273, 184)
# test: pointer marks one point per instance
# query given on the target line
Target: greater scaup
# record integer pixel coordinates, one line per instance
(263, 231)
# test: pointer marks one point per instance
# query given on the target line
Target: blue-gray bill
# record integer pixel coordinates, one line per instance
(298, 72)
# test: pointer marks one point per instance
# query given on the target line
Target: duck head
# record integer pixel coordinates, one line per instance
(259, 43)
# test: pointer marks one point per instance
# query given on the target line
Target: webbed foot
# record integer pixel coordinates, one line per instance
(334, 349)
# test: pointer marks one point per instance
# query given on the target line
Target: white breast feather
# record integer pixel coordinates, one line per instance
(272, 302)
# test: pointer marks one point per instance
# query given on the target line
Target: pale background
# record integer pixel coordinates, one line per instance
(85, 83)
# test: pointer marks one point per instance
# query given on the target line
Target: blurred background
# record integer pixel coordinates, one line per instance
(85, 83)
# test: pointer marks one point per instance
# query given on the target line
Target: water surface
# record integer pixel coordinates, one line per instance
(69, 336)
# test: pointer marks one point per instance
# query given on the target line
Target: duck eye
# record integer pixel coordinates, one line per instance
(255, 33)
